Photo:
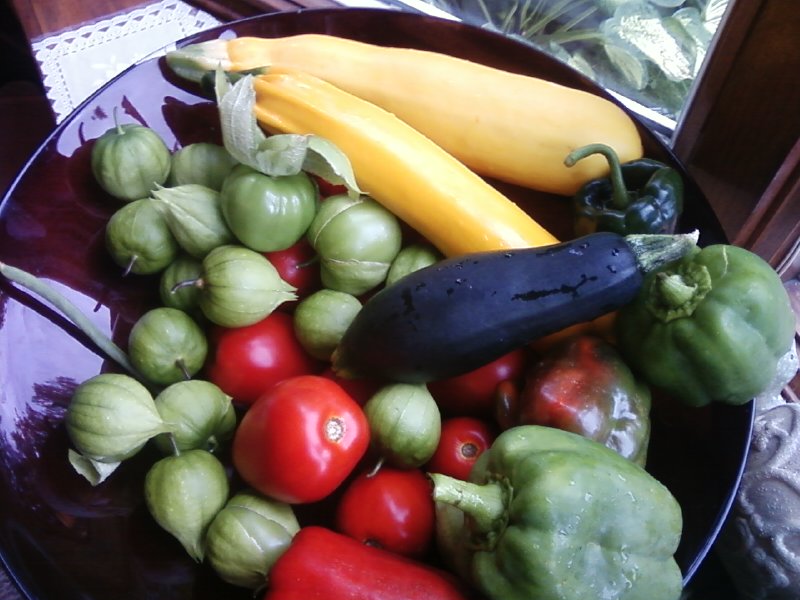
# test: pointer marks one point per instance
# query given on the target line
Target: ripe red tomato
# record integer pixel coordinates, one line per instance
(462, 441)
(246, 361)
(327, 189)
(391, 509)
(298, 266)
(472, 394)
(300, 440)
(360, 389)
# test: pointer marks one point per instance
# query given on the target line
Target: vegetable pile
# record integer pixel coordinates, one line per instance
(359, 318)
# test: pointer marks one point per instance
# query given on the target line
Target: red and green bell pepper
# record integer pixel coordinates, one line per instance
(585, 387)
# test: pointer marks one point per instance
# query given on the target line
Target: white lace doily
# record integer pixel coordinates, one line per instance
(76, 63)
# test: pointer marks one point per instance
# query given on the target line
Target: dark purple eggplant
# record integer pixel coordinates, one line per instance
(463, 312)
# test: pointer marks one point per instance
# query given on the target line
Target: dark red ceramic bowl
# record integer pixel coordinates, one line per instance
(61, 538)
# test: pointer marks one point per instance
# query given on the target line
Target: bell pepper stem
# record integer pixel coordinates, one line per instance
(677, 293)
(619, 193)
(674, 290)
(485, 503)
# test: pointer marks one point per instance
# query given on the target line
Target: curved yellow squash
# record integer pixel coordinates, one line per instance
(511, 127)
(445, 201)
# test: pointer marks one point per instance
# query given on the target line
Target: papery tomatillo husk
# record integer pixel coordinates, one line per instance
(247, 536)
(183, 297)
(412, 258)
(110, 418)
(129, 161)
(356, 239)
(201, 163)
(166, 346)
(184, 493)
(405, 424)
(321, 319)
(138, 239)
(198, 413)
(193, 215)
(240, 287)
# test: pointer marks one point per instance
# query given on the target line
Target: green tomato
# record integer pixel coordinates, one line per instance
(129, 161)
(356, 239)
(268, 213)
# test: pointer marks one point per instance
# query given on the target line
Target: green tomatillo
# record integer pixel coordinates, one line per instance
(110, 418)
(130, 160)
(166, 345)
(184, 493)
(198, 414)
(138, 239)
(194, 217)
(405, 424)
(239, 287)
(356, 240)
(321, 319)
(201, 163)
(172, 292)
(247, 536)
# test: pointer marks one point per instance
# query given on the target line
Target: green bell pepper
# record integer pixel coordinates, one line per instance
(640, 196)
(709, 327)
(551, 515)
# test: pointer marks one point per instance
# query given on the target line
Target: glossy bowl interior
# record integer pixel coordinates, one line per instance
(61, 538)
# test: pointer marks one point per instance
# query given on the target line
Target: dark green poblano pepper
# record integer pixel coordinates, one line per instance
(640, 196)
(710, 327)
(551, 515)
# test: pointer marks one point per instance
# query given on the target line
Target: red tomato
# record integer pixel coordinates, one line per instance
(300, 440)
(246, 361)
(360, 389)
(298, 266)
(462, 441)
(392, 509)
(326, 188)
(472, 394)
